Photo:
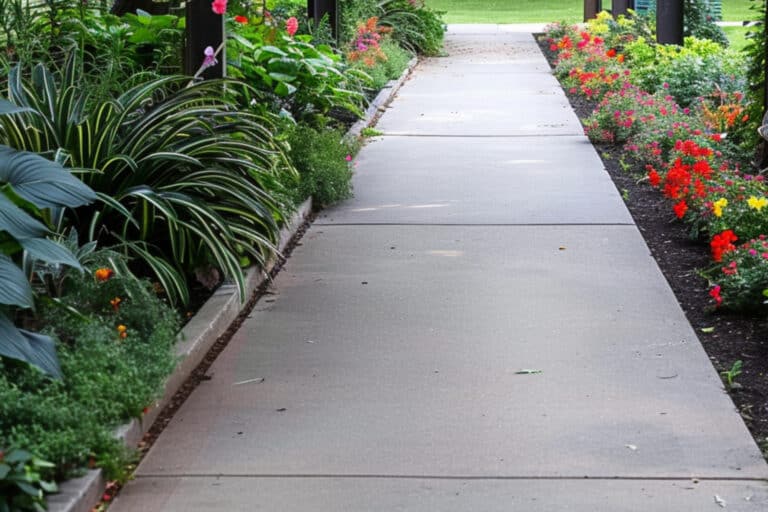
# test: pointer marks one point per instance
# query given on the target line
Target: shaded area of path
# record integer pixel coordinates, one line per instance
(484, 239)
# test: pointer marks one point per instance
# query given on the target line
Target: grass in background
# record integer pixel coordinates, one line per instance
(509, 11)
(736, 36)
(737, 10)
(526, 11)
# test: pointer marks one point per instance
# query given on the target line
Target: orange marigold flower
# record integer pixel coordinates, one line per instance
(122, 331)
(103, 274)
(116, 303)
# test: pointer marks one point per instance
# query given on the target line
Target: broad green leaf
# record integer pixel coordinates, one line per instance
(14, 286)
(49, 251)
(4, 470)
(283, 89)
(17, 222)
(41, 181)
(8, 108)
(32, 348)
(18, 456)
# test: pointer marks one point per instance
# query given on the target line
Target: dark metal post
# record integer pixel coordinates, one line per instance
(669, 21)
(316, 9)
(204, 28)
(591, 8)
(621, 6)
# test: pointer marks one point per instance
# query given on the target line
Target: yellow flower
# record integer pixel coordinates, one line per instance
(757, 204)
(122, 331)
(717, 206)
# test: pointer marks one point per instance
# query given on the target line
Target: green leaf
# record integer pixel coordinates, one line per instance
(17, 222)
(7, 108)
(18, 456)
(283, 89)
(4, 470)
(35, 349)
(707, 330)
(14, 286)
(29, 489)
(49, 251)
(42, 182)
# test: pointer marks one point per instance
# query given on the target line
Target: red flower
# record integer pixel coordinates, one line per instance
(611, 53)
(654, 177)
(291, 25)
(241, 19)
(680, 209)
(722, 243)
(219, 6)
(715, 294)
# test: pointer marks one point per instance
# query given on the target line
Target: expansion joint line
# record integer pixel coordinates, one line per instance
(454, 477)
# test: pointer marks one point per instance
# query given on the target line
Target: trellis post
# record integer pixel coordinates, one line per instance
(669, 21)
(204, 28)
(619, 7)
(316, 9)
(591, 8)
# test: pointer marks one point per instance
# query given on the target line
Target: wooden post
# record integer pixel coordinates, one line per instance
(669, 21)
(204, 28)
(619, 7)
(591, 8)
(316, 9)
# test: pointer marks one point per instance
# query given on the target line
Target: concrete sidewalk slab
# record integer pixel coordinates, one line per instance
(395, 351)
(420, 495)
(504, 53)
(464, 180)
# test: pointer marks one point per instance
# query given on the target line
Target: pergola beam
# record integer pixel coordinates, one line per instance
(669, 21)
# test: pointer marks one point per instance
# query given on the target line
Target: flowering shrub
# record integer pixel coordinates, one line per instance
(365, 47)
(691, 154)
(742, 278)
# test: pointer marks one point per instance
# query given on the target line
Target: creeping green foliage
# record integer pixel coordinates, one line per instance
(323, 160)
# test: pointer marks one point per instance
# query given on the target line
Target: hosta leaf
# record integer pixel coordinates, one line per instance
(41, 181)
(35, 349)
(17, 222)
(49, 251)
(14, 286)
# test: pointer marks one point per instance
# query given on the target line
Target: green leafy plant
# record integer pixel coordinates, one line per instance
(729, 376)
(183, 176)
(293, 74)
(22, 486)
(32, 191)
(324, 163)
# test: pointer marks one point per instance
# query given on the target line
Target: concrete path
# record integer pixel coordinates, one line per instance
(485, 239)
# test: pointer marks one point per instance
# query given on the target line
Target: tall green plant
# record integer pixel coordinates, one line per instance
(32, 190)
(184, 178)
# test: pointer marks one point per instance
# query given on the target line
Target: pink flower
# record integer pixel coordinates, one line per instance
(210, 58)
(348, 158)
(219, 6)
(291, 25)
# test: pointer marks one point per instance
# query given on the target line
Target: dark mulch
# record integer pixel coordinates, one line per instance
(735, 336)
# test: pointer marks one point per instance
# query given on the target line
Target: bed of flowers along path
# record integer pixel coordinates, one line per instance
(682, 116)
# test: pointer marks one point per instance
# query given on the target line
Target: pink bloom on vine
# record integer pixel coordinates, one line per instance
(291, 25)
(210, 58)
(219, 6)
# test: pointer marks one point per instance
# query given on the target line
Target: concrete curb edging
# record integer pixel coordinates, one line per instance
(379, 103)
(195, 339)
(201, 332)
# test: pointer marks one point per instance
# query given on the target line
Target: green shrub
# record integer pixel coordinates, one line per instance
(110, 374)
(323, 160)
(21, 483)
(396, 62)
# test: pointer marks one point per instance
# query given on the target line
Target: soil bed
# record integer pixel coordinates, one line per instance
(735, 336)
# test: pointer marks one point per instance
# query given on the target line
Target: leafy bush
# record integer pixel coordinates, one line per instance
(114, 356)
(294, 75)
(21, 483)
(184, 177)
(396, 62)
(414, 26)
(324, 163)
(742, 277)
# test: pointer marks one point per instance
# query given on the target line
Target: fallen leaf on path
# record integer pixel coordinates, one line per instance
(249, 381)
(707, 330)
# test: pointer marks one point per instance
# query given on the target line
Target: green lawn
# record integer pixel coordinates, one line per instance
(527, 11)
(509, 11)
